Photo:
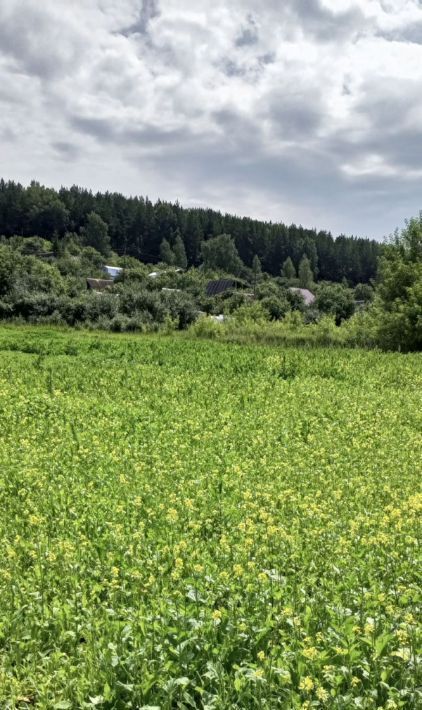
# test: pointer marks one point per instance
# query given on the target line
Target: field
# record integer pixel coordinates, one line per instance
(189, 524)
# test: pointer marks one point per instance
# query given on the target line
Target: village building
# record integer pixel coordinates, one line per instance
(98, 285)
(113, 271)
(219, 286)
(306, 294)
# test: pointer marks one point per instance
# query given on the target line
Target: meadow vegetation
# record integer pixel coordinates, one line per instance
(196, 524)
(46, 282)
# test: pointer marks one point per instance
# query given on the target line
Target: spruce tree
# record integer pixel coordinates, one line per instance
(179, 251)
(256, 270)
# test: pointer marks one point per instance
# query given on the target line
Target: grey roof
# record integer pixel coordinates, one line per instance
(155, 274)
(214, 288)
(99, 284)
(113, 271)
(306, 294)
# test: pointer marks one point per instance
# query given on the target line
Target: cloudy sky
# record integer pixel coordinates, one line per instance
(306, 111)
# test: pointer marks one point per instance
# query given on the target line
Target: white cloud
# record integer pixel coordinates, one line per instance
(306, 110)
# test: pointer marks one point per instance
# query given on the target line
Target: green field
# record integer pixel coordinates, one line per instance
(189, 524)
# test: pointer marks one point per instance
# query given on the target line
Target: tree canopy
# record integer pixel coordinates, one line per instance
(220, 253)
(399, 292)
(136, 227)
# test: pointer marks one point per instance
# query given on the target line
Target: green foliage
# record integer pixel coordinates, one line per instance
(296, 300)
(35, 246)
(21, 274)
(10, 263)
(241, 536)
(288, 269)
(137, 227)
(220, 253)
(305, 274)
(399, 290)
(269, 288)
(33, 269)
(337, 300)
(256, 271)
(166, 253)
(277, 307)
(253, 311)
(96, 235)
(180, 258)
(364, 292)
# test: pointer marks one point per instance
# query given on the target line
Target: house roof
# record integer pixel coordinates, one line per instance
(214, 288)
(113, 271)
(99, 284)
(156, 274)
(306, 294)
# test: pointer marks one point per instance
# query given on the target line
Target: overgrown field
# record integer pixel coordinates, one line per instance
(189, 524)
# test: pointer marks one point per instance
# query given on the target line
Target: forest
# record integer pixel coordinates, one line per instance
(218, 276)
(137, 227)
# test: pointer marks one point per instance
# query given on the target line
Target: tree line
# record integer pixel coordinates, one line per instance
(135, 226)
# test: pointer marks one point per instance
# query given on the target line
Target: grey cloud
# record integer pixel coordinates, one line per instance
(149, 10)
(250, 69)
(8, 135)
(146, 136)
(312, 183)
(40, 44)
(248, 35)
(267, 58)
(400, 149)
(294, 114)
(295, 119)
(323, 24)
(261, 113)
(66, 150)
(409, 33)
(99, 128)
(231, 68)
(388, 107)
(387, 104)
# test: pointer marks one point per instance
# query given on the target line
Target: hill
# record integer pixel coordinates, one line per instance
(137, 227)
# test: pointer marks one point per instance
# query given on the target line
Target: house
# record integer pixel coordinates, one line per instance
(98, 285)
(215, 288)
(307, 295)
(113, 271)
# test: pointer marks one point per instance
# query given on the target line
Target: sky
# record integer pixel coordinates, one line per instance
(304, 111)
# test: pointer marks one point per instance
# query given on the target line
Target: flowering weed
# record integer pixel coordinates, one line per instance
(182, 527)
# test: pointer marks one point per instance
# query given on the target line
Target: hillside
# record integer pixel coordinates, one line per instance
(137, 227)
